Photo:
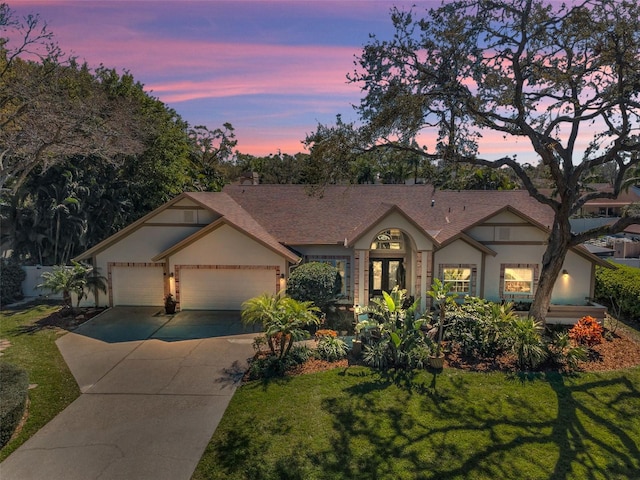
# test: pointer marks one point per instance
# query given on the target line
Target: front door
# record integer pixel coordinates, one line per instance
(385, 274)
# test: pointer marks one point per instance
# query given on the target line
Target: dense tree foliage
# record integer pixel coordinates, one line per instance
(549, 73)
(85, 152)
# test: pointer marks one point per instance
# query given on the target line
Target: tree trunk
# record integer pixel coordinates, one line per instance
(552, 262)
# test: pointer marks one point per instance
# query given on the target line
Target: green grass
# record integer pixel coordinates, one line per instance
(37, 353)
(359, 423)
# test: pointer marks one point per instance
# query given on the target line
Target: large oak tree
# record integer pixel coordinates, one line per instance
(547, 73)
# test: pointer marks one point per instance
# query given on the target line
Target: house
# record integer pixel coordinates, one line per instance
(215, 250)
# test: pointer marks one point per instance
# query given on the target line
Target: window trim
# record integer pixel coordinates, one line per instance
(534, 267)
(473, 277)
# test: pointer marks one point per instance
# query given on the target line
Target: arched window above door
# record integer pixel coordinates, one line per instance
(391, 239)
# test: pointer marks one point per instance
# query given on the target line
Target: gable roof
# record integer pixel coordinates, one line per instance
(295, 217)
(129, 229)
(231, 214)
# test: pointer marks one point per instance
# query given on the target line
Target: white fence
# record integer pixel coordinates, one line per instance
(34, 278)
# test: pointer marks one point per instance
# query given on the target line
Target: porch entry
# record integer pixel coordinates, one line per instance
(385, 274)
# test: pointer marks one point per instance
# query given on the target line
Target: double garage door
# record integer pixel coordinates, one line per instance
(200, 289)
(223, 289)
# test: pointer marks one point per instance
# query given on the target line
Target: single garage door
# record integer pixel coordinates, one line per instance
(142, 286)
(223, 289)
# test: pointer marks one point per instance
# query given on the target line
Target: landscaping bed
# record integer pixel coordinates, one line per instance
(617, 351)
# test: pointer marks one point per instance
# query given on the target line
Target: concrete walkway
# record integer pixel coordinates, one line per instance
(148, 406)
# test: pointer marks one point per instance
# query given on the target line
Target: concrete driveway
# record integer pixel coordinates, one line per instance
(151, 398)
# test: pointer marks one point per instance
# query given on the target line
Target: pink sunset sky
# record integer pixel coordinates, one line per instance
(273, 69)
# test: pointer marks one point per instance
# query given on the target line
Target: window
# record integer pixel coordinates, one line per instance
(391, 239)
(518, 281)
(459, 279)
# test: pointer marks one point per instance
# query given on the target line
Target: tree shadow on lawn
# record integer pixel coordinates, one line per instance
(435, 426)
(459, 437)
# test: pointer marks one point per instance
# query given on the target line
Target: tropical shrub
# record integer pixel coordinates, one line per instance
(331, 348)
(526, 342)
(78, 279)
(282, 318)
(619, 288)
(391, 333)
(11, 277)
(13, 397)
(377, 354)
(587, 331)
(480, 328)
(324, 332)
(561, 352)
(315, 282)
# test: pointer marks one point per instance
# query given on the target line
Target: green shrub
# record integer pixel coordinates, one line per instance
(331, 348)
(315, 282)
(11, 277)
(275, 366)
(377, 355)
(619, 288)
(526, 342)
(562, 353)
(13, 398)
(479, 327)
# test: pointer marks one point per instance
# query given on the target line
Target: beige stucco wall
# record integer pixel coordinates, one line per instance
(459, 253)
(395, 220)
(174, 215)
(567, 291)
(143, 244)
(226, 246)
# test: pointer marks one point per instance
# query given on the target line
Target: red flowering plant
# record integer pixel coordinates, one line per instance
(586, 331)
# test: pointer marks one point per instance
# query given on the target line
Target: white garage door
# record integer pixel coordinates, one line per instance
(223, 289)
(143, 286)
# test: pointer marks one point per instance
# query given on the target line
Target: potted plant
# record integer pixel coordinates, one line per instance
(169, 304)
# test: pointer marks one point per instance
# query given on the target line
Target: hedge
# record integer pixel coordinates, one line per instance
(619, 288)
(13, 398)
(11, 277)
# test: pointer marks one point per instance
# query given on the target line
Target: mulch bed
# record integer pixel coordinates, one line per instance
(618, 352)
(64, 319)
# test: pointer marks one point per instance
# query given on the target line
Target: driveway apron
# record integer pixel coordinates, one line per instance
(150, 399)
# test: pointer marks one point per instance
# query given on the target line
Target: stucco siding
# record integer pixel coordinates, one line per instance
(574, 288)
(186, 216)
(457, 252)
(395, 220)
(143, 244)
(226, 246)
(508, 233)
(573, 291)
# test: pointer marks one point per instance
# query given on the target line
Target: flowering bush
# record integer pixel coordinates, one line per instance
(325, 333)
(587, 331)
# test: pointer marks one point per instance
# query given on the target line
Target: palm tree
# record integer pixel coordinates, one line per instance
(282, 318)
(78, 279)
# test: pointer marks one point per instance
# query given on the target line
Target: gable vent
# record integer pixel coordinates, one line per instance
(504, 233)
(189, 216)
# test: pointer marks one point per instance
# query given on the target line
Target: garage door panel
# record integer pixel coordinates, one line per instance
(137, 286)
(223, 289)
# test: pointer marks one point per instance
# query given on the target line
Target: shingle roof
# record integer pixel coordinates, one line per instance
(295, 217)
(234, 214)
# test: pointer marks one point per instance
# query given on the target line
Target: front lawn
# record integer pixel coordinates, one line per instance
(361, 423)
(33, 348)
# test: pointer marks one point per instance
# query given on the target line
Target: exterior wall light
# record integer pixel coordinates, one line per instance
(565, 273)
